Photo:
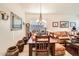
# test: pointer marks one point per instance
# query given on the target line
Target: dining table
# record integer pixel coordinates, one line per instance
(52, 42)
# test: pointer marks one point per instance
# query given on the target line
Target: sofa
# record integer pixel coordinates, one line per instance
(61, 36)
(59, 49)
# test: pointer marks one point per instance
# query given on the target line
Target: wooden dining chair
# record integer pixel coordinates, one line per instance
(42, 45)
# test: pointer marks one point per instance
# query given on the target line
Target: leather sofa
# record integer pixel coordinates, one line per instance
(59, 49)
(62, 36)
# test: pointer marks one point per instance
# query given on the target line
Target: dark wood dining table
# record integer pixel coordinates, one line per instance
(52, 46)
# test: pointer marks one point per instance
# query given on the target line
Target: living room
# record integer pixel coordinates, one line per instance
(37, 19)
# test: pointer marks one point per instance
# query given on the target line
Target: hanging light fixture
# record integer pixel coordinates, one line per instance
(40, 20)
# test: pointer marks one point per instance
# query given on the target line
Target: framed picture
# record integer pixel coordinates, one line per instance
(64, 24)
(72, 24)
(55, 24)
(16, 22)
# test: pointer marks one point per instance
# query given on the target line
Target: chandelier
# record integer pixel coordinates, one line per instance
(40, 20)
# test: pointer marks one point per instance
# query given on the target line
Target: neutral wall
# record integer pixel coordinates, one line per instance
(54, 18)
(7, 37)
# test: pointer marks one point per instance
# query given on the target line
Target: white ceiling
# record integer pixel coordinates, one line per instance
(67, 8)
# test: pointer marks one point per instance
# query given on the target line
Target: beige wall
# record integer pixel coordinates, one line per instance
(54, 17)
(7, 37)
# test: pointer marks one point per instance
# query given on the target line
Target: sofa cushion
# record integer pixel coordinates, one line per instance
(59, 47)
(57, 33)
(59, 53)
(61, 34)
(64, 37)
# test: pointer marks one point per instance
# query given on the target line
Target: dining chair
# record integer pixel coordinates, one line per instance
(42, 45)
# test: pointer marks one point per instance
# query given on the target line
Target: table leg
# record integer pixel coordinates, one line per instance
(30, 49)
(52, 46)
(78, 52)
(65, 43)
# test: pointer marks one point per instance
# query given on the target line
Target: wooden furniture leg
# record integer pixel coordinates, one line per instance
(30, 49)
(78, 52)
(52, 47)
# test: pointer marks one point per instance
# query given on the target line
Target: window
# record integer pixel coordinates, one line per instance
(38, 27)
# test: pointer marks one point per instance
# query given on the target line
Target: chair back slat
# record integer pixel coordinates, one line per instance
(42, 45)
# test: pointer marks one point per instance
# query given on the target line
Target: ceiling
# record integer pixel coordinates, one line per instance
(61, 8)
(66, 8)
